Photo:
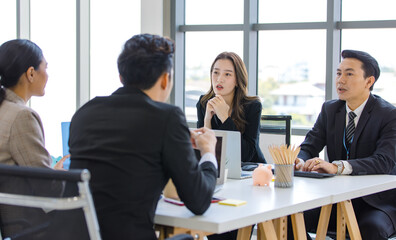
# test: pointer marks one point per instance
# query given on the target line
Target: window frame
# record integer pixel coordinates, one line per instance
(250, 27)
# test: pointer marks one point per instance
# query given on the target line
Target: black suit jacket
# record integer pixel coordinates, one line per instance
(250, 148)
(132, 146)
(373, 150)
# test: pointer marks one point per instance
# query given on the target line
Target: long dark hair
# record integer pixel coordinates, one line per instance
(240, 95)
(16, 57)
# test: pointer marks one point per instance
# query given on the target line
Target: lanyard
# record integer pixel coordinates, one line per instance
(349, 147)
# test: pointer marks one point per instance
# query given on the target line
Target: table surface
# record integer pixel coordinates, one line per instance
(267, 202)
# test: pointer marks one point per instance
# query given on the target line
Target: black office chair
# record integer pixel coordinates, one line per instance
(33, 206)
(30, 197)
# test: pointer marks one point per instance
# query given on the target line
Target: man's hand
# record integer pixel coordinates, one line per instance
(204, 140)
(298, 164)
(319, 165)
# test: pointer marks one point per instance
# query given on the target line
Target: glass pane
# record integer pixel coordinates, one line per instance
(7, 20)
(379, 43)
(353, 10)
(291, 77)
(198, 62)
(281, 11)
(53, 28)
(214, 12)
(111, 25)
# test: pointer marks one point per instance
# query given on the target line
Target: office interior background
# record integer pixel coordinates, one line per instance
(291, 49)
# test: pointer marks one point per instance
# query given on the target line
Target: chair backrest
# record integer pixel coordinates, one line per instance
(38, 191)
(274, 129)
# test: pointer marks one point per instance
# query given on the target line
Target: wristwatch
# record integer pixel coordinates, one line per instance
(340, 166)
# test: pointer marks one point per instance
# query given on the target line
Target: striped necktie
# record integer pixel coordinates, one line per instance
(350, 130)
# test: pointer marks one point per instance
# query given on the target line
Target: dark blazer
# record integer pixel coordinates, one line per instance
(373, 150)
(250, 148)
(132, 145)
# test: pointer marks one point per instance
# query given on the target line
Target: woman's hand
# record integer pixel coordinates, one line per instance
(220, 107)
(59, 164)
(208, 115)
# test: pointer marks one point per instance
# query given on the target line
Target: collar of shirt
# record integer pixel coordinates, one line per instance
(13, 97)
(358, 111)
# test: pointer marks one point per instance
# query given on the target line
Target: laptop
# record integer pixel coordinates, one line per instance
(221, 147)
(233, 154)
(65, 126)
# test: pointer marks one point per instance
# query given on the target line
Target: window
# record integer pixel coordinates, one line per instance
(54, 31)
(282, 11)
(295, 69)
(198, 62)
(7, 20)
(214, 12)
(112, 23)
(380, 43)
(293, 46)
(353, 10)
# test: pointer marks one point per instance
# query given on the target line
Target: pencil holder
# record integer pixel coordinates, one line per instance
(284, 175)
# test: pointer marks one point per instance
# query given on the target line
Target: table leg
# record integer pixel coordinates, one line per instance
(266, 231)
(162, 232)
(244, 233)
(324, 219)
(341, 228)
(166, 232)
(351, 221)
(280, 225)
(298, 224)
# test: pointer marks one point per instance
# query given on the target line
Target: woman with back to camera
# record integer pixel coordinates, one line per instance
(226, 105)
(23, 74)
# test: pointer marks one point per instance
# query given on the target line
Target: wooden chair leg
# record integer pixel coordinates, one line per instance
(298, 224)
(323, 224)
(351, 222)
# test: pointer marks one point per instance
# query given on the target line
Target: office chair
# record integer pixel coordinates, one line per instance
(274, 129)
(29, 196)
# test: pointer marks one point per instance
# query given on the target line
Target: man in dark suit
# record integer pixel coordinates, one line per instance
(132, 143)
(359, 131)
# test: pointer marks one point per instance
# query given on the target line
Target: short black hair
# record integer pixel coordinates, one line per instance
(144, 59)
(369, 66)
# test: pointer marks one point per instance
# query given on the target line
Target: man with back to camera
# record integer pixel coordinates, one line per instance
(132, 143)
(359, 130)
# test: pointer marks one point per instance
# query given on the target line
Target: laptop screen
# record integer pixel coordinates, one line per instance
(65, 142)
(220, 149)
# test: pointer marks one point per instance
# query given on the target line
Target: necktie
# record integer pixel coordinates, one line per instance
(350, 130)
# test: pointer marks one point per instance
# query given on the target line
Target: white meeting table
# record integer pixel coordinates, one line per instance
(269, 203)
